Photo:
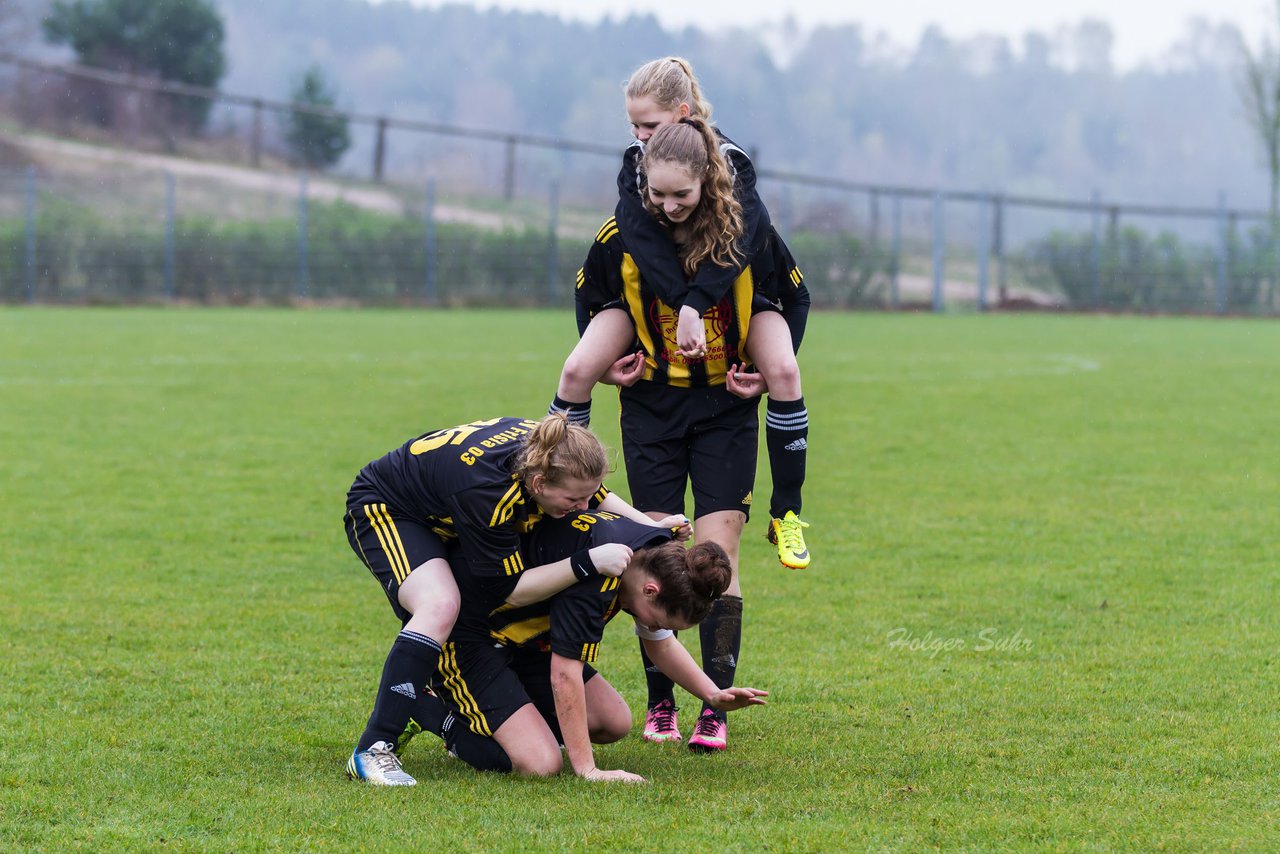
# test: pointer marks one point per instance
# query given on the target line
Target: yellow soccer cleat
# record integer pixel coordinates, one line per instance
(787, 534)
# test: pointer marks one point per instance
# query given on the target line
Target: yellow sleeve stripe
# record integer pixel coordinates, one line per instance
(796, 276)
(389, 538)
(582, 277)
(609, 584)
(514, 564)
(602, 493)
(460, 692)
(506, 506)
(608, 230)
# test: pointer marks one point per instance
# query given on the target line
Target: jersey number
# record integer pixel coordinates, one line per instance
(451, 436)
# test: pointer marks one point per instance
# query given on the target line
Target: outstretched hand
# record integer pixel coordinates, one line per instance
(743, 384)
(626, 371)
(680, 523)
(730, 699)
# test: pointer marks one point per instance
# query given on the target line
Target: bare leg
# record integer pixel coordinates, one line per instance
(605, 341)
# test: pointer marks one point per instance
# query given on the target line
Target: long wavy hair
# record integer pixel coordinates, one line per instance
(715, 226)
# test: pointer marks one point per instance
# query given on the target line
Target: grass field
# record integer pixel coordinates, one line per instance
(1042, 613)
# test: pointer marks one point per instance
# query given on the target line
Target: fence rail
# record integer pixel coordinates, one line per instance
(943, 247)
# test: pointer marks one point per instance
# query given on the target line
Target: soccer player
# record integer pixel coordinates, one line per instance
(478, 485)
(686, 418)
(520, 680)
(659, 93)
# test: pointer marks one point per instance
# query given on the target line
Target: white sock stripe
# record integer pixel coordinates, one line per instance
(788, 421)
(422, 639)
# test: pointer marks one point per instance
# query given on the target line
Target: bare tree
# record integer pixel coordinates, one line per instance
(1261, 92)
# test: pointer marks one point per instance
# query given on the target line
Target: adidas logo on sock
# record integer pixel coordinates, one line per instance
(797, 445)
(405, 688)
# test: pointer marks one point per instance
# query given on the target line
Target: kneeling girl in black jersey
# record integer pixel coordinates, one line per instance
(520, 680)
(476, 486)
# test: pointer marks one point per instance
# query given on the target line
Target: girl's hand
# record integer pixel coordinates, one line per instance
(683, 527)
(625, 371)
(743, 384)
(691, 335)
(595, 775)
(730, 699)
(611, 558)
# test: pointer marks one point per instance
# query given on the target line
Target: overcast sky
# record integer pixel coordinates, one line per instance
(1143, 28)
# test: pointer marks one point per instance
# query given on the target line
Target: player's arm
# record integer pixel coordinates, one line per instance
(618, 506)
(670, 656)
(571, 713)
(543, 582)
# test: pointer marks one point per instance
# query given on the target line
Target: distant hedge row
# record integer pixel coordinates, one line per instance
(1130, 270)
(350, 255)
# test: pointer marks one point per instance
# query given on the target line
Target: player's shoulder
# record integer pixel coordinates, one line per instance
(609, 233)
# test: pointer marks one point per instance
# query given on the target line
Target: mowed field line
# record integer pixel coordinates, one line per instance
(1040, 615)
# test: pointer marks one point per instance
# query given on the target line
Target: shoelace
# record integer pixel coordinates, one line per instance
(790, 533)
(385, 760)
(708, 725)
(664, 717)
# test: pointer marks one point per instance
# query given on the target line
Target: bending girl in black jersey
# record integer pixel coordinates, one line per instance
(687, 420)
(479, 486)
(520, 680)
(696, 282)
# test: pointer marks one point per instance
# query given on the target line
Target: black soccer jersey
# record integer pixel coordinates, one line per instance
(610, 278)
(572, 622)
(459, 481)
(656, 255)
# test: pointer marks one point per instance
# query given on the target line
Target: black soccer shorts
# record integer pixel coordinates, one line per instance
(390, 544)
(486, 683)
(672, 436)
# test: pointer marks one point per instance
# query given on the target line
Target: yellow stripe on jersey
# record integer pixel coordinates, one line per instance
(514, 564)
(744, 289)
(460, 692)
(796, 276)
(389, 538)
(506, 506)
(582, 277)
(602, 493)
(607, 231)
(522, 631)
(636, 308)
(609, 584)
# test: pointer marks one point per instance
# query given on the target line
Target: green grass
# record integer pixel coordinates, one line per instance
(189, 647)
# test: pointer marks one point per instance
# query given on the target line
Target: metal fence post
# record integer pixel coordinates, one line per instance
(939, 253)
(895, 252)
(1223, 248)
(553, 243)
(429, 245)
(1095, 252)
(255, 139)
(170, 215)
(509, 172)
(29, 261)
(302, 236)
(380, 150)
(997, 240)
(984, 249)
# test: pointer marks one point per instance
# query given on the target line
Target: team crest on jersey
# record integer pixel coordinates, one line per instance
(716, 320)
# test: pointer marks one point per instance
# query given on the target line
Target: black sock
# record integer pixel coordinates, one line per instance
(786, 434)
(660, 685)
(405, 676)
(721, 635)
(428, 716)
(478, 751)
(578, 413)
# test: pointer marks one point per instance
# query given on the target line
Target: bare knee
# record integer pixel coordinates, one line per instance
(579, 375)
(537, 759)
(613, 727)
(784, 380)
